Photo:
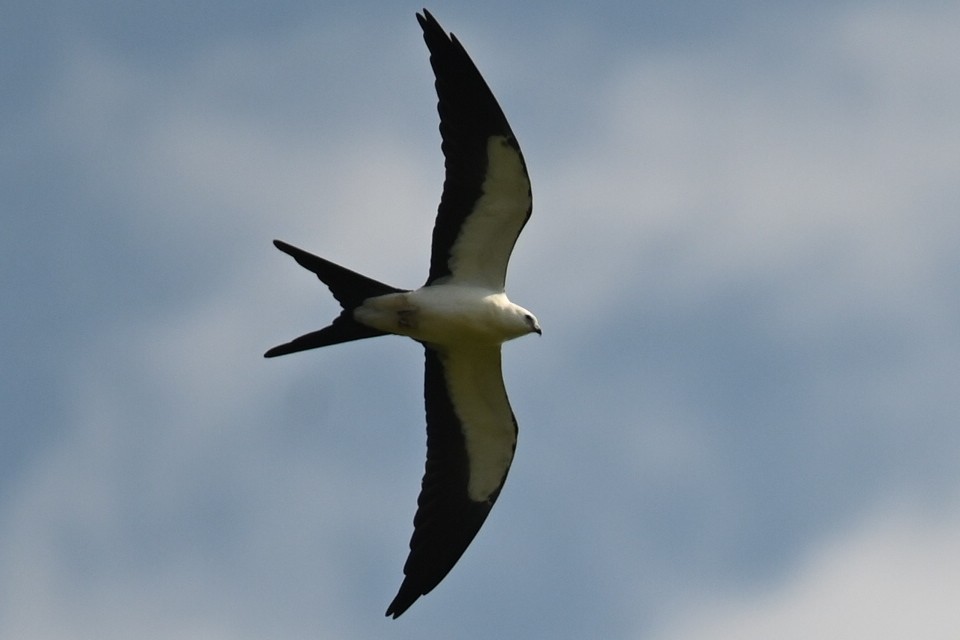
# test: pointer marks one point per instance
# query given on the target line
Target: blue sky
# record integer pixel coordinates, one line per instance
(741, 421)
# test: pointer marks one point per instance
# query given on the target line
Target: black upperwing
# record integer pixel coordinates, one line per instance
(474, 132)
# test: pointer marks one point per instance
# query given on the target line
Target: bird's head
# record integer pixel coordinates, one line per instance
(527, 322)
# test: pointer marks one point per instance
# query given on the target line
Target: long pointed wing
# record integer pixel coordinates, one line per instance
(486, 197)
(471, 437)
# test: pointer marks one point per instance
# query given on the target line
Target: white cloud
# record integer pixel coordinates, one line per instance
(817, 159)
(895, 575)
(819, 163)
(200, 153)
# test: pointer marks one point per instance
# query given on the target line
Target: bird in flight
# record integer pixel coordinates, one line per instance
(461, 316)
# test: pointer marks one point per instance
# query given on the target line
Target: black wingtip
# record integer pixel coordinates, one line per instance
(275, 351)
(404, 598)
(429, 23)
(288, 249)
(425, 16)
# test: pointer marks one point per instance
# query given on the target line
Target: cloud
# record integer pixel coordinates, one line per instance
(890, 576)
(742, 250)
(820, 146)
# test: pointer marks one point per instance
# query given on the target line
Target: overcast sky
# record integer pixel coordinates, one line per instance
(741, 421)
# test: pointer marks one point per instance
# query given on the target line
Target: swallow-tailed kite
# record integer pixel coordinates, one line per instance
(461, 316)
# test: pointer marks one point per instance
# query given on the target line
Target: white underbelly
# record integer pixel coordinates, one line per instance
(443, 315)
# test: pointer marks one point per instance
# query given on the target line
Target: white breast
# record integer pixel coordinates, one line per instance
(446, 315)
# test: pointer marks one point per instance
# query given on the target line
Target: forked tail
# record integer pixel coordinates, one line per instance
(348, 287)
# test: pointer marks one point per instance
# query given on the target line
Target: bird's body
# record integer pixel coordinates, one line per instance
(461, 316)
(448, 315)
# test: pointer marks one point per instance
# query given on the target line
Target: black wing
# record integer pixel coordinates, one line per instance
(471, 437)
(485, 170)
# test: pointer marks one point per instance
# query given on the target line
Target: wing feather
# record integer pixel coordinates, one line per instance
(486, 197)
(471, 437)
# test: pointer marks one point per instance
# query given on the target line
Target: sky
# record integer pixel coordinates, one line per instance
(741, 420)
